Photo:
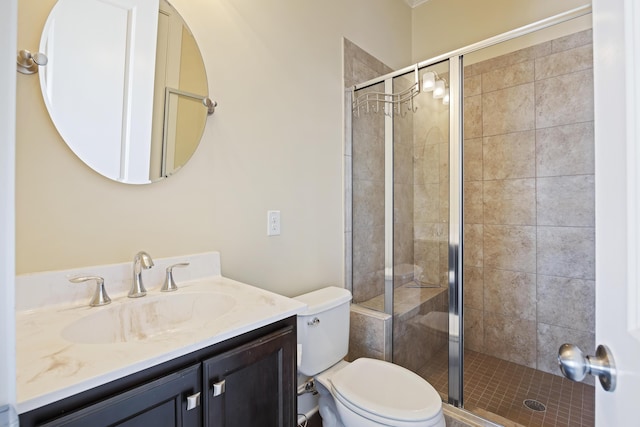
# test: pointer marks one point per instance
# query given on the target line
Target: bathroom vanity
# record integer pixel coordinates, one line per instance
(233, 383)
(214, 353)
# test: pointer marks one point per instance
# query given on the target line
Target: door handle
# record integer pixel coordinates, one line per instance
(576, 366)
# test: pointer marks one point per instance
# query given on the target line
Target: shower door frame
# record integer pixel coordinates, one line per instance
(456, 138)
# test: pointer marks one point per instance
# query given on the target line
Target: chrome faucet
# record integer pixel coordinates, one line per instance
(140, 261)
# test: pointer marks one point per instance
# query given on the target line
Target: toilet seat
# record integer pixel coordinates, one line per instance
(383, 391)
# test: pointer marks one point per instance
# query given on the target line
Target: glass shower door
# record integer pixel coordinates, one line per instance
(400, 194)
(529, 224)
(420, 228)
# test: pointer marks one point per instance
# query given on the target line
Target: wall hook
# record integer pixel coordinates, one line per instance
(28, 63)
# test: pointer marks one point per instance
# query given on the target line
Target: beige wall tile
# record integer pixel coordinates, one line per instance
(431, 231)
(357, 350)
(403, 201)
(473, 245)
(565, 150)
(366, 331)
(426, 203)
(508, 110)
(403, 163)
(444, 201)
(568, 61)
(509, 156)
(429, 126)
(368, 203)
(566, 252)
(427, 257)
(572, 41)
(550, 338)
(472, 70)
(472, 85)
(427, 164)
(564, 99)
(510, 247)
(366, 285)
(367, 150)
(511, 75)
(473, 287)
(510, 201)
(566, 200)
(472, 202)
(472, 117)
(368, 263)
(510, 338)
(403, 243)
(444, 163)
(566, 302)
(522, 55)
(374, 67)
(415, 341)
(474, 329)
(472, 161)
(510, 293)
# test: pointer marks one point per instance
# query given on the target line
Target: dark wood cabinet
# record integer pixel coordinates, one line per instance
(245, 386)
(248, 380)
(160, 403)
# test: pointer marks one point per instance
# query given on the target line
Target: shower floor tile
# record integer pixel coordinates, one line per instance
(497, 387)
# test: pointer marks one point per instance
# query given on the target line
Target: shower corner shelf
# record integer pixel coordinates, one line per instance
(389, 103)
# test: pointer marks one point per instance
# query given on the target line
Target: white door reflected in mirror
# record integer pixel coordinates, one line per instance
(105, 90)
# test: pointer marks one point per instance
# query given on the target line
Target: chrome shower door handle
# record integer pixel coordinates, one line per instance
(576, 366)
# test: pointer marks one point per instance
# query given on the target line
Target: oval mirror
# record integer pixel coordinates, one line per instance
(125, 86)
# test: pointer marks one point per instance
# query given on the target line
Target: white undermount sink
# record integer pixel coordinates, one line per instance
(148, 318)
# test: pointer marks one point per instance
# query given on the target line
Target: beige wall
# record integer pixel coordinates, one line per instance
(440, 26)
(275, 142)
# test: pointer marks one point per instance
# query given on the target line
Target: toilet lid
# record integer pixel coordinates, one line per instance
(386, 390)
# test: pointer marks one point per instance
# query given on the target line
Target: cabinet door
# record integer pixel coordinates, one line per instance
(159, 403)
(253, 385)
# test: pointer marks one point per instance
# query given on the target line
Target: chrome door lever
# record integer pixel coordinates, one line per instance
(576, 366)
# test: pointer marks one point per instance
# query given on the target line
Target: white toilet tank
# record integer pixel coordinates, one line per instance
(323, 329)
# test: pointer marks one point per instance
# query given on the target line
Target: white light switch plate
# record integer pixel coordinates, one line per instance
(273, 223)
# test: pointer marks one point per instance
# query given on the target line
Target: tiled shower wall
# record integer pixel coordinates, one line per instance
(528, 198)
(529, 202)
(364, 182)
(370, 330)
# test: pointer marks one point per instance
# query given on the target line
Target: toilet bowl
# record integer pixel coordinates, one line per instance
(365, 392)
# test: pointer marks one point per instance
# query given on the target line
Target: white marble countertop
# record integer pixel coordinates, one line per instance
(51, 366)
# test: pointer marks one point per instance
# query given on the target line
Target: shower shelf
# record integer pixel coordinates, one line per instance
(389, 103)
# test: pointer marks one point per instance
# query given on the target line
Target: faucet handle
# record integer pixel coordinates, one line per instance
(170, 284)
(100, 296)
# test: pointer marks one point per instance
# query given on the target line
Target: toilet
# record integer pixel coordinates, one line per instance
(365, 392)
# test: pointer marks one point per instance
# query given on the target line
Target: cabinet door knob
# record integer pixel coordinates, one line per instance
(193, 401)
(218, 388)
